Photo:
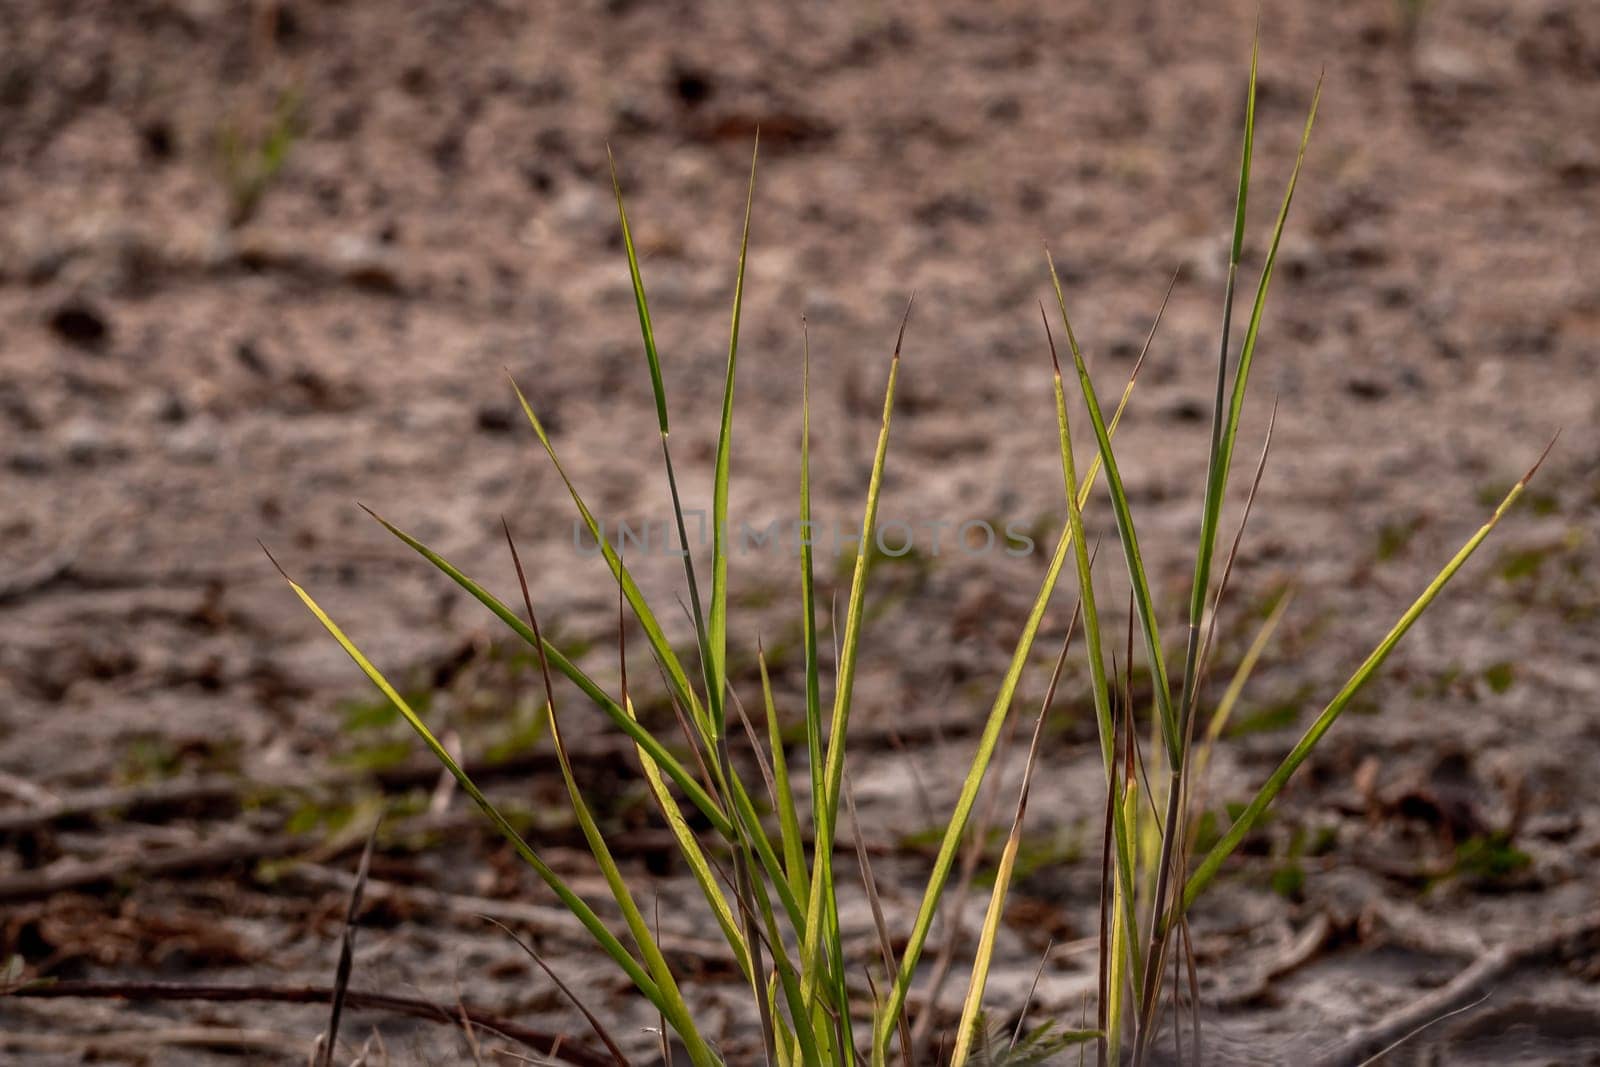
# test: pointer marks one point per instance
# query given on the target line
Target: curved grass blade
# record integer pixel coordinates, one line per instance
(647, 741)
(1212, 508)
(794, 849)
(656, 386)
(1268, 792)
(674, 1009)
(717, 634)
(1091, 618)
(1002, 880)
(822, 952)
(821, 910)
(956, 829)
(688, 847)
(1130, 541)
(573, 903)
(658, 389)
(641, 609)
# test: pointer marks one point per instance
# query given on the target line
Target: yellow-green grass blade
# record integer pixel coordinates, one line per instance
(1126, 533)
(984, 955)
(1091, 614)
(794, 849)
(570, 900)
(1124, 934)
(875, 903)
(658, 388)
(1252, 332)
(694, 856)
(645, 328)
(1125, 829)
(676, 676)
(1269, 791)
(808, 591)
(1212, 507)
(765, 854)
(717, 633)
(673, 1007)
(822, 951)
(803, 1031)
(1076, 499)
(956, 829)
(676, 1011)
(1236, 684)
(646, 741)
(821, 908)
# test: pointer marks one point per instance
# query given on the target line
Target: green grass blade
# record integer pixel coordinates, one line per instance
(658, 389)
(1123, 937)
(984, 955)
(1236, 684)
(673, 1008)
(647, 741)
(1091, 615)
(956, 829)
(645, 328)
(694, 857)
(570, 900)
(1100, 689)
(1212, 509)
(717, 633)
(1130, 542)
(824, 949)
(1268, 792)
(821, 910)
(676, 676)
(875, 903)
(794, 849)
(1247, 352)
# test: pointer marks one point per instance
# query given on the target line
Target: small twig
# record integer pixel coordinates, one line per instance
(1431, 1022)
(594, 1022)
(1027, 1001)
(1289, 957)
(554, 1045)
(1473, 984)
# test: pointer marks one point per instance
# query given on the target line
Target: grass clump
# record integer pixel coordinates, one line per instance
(769, 882)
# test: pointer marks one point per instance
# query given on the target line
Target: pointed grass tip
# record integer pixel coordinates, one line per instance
(1526, 478)
(904, 320)
(1048, 336)
(274, 561)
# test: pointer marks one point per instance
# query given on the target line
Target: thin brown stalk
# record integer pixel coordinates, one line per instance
(594, 1023)
(347, 948)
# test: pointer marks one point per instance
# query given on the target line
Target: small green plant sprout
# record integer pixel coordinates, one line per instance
(250, 159)
(763, 862)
